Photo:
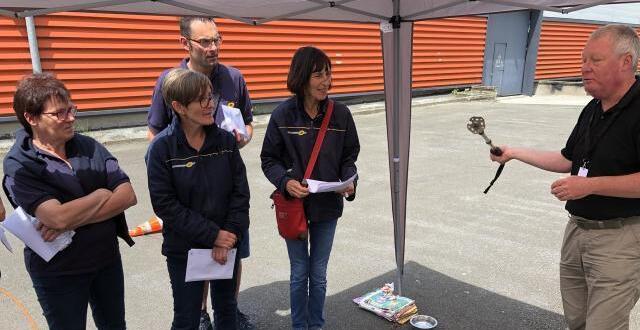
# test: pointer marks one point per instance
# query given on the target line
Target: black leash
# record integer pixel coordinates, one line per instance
(498, 172)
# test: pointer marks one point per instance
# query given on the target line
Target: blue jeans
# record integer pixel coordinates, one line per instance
(308, 286)
(187, 298)
(64, 298)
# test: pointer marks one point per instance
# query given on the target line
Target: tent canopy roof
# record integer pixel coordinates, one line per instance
(260, 11)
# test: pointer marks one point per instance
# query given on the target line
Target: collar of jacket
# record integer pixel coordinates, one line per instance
(629, 96)
(322, 108)
(24, 150)
(176, 129)
(213, 74)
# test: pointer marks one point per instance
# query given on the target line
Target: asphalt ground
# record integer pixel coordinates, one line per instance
(473, 261)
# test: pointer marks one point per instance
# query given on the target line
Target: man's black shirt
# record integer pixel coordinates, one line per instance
(615, 139)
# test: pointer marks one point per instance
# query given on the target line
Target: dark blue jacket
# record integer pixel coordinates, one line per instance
(32, 177)
(287, 147)
(197, 193)
(227, 82)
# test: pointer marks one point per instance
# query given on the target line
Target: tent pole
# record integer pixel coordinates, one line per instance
(396, 130)
(33, 44)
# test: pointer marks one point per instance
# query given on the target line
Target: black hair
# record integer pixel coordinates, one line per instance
(304, 63)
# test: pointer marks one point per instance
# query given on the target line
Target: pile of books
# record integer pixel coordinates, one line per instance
(384, 303)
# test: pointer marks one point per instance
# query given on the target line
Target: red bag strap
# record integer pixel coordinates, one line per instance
(319, 139)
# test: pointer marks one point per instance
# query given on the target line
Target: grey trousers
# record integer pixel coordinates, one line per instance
(600, 275)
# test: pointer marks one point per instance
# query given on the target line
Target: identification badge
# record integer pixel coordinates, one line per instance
(583, 171)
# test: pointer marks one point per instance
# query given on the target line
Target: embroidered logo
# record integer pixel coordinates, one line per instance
(299, 133)
(187, 165)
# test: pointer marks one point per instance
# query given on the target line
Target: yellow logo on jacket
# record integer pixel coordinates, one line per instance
(186, 165)
(298, 133)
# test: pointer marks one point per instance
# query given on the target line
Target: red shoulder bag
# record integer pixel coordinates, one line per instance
(292, 222)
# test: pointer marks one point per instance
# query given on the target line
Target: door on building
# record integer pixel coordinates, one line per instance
(505, 51)
(499, 52)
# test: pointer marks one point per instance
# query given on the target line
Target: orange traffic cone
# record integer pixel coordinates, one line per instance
(154, 225)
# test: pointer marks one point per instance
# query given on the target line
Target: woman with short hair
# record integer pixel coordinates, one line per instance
(198, 187)
(286, 150)
(69, 181)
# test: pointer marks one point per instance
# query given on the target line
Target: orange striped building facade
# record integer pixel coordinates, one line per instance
(111, 61)
(561, 43)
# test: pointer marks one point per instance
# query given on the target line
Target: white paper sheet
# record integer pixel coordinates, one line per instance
(4, 240)
(232, 120)
(201, 267)
(23, 226)
(323, 186)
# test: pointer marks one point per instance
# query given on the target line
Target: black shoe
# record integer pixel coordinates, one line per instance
(244, 323)
(205, 321)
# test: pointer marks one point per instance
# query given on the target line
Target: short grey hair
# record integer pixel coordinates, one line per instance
(624, 38)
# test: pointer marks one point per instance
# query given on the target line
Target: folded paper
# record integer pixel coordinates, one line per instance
(23, 226)
(202, 267)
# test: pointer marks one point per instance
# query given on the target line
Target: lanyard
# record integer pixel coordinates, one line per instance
(591, 145)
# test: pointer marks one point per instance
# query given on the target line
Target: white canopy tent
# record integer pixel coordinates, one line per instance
(396, 19)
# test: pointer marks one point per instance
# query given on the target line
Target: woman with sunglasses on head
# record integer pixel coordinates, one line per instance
(69, 182)
(198, 187)
(286, 150)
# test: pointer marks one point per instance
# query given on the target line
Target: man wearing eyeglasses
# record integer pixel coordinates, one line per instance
(199, 36)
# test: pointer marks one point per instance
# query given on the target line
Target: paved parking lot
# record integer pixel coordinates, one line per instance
(473, 261)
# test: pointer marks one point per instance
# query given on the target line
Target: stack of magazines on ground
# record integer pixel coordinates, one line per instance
(384, 303)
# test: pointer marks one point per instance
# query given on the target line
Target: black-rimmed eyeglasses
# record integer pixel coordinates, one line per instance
(64, 113)
(205, 102)
(207, 43)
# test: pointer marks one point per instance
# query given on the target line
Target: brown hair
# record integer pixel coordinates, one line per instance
(185, 23)
(33, 92)
(184, 86)
(305, 62)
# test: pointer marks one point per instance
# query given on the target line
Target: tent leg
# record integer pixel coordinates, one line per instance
(396, 144)
(396, 38)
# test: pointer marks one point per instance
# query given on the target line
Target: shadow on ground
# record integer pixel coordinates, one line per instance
(456, 305)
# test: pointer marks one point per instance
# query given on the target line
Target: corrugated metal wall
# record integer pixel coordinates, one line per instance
(107, 61)
(15, 61)
(448, 51)
(560, 52)
(111, 61)
(263, 53)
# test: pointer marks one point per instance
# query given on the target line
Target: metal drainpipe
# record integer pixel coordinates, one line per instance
(33, 44)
